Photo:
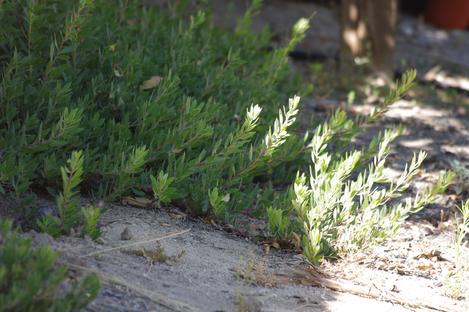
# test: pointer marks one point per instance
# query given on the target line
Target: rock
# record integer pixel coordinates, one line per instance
(100, 241)
(126, 234)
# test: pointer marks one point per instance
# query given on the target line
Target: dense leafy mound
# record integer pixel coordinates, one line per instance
(140, 92)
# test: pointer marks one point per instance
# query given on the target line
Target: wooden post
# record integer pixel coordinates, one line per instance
(354, 31)
(382, 21)
(368, 27)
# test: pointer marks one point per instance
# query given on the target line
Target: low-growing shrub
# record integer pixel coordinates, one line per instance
(342, 206)
(150, 99)
(30, 280)
(69, 217)
(179, 110)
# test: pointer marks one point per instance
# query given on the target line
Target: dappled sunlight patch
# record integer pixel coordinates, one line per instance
(416, 143)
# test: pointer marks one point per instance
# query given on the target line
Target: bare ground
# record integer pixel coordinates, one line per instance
(204, 268)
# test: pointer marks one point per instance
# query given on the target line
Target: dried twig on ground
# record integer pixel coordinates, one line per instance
(94, 253)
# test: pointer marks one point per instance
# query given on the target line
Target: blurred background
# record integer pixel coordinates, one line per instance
(387, 36)
(355, 48)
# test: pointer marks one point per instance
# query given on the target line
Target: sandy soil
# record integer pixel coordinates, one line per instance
(205, 269)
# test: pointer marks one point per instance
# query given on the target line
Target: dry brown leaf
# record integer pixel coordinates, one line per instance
(117, 73)
(141, 202)
(432, 254)
(151, 83)
(423, 266)
(175, 214)
(296, 241)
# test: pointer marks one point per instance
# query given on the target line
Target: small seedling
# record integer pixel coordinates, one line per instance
(255, 272)
(70, 218)
(456, 281)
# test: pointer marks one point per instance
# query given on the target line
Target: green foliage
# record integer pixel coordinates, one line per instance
(162, 190)
(128, 168)
(152, 99)
(344, 208)
(30, 280)
(456, 281)
(279, 222)
(462, 226)
(67, 201)
(69, 216)
(218, 202)
(91, 216)
(147, 97)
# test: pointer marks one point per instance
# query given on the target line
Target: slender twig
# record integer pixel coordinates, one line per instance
(135, 243)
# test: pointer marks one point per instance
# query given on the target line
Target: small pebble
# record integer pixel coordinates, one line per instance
(100, 241)
(126, 234)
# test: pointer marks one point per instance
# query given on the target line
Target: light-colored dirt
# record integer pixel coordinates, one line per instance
(216, 271)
